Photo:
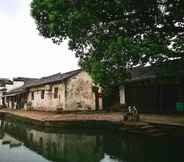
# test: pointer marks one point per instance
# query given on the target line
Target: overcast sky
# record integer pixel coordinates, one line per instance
(23, 52)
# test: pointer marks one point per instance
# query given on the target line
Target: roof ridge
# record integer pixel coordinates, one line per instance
(71, 71)
(46, 77)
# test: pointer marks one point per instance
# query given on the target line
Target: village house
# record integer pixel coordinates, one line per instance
(4, 84)
(71, 91)
(155, 89)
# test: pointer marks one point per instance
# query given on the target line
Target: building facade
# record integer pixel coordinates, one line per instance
(155, 89)
(4, 84)
(71, 91)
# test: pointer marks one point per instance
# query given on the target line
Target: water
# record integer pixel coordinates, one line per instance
(22, 143)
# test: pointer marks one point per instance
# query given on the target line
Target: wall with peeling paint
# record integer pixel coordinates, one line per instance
(73, 94)
(49, 103)
(79, 94)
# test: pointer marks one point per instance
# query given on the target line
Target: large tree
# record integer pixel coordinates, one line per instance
(110, 36)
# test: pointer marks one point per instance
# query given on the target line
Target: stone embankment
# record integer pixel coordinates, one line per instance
(155, 125)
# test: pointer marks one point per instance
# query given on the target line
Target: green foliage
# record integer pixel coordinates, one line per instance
(113, 35)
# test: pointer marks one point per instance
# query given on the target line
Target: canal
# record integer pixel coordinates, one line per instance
(23, 143)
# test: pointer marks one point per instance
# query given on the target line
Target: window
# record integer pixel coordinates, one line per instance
(32, 95)
(42, 94)
(56, 92)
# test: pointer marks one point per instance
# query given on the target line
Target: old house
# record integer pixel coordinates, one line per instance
(15, 97)
(155, 89)
(4, 83)
(71, 91)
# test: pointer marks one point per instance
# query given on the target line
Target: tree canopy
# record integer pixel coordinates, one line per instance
(110, 36)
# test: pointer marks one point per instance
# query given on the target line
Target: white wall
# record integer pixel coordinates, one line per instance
(16, 84)
(78, 95)
(1, 93)
(122, 94)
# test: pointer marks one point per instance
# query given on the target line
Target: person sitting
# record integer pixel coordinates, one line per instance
(135, 114)
(132, 114)
(128, 115)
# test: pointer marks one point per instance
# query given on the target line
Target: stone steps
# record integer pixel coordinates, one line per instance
(148, 130)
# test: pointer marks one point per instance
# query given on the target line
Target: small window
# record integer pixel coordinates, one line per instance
(32, 95)
(56, 92)
(42, 94)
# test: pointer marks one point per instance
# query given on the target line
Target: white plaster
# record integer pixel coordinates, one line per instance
(122, 94)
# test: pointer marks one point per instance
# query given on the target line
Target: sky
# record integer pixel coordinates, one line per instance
(23, 52)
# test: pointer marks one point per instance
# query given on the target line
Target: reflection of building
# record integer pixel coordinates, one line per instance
(67, 147)
(11, 141)
(69, 91)
(70, 146)
(78, 147)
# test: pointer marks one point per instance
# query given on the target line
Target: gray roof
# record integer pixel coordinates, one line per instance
(3, 89)
(42, 81)
(52, 78)
(173, 68)
(4, 81)
(23, 79)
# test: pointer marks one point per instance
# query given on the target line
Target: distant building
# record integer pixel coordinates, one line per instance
(155, 89)
(3, 88)
(71, 91)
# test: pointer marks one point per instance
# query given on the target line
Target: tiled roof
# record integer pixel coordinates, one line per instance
(44, 80)
(23, 79)
(167, 69)
(5, 81)
(52, 78)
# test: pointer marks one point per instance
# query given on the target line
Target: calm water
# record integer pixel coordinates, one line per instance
(20, 143)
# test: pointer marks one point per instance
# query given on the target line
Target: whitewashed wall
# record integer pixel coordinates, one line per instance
(16, 84)
(1, 94)
(122, 94)
(49, 103)
(77, 95)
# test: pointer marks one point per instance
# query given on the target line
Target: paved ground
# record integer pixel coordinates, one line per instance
(51, 116)
(177, 120)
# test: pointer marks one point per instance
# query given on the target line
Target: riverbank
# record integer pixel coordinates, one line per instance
(149, 124)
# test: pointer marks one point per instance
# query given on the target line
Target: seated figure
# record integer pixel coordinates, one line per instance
(132, 114)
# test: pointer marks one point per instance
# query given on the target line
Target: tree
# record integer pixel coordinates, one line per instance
(110, 36)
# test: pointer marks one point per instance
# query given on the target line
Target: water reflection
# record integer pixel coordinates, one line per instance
(87, 146)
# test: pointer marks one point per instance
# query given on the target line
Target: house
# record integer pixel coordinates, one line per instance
(71, 91)
(3, 88)
(155, 89)
(15, 96)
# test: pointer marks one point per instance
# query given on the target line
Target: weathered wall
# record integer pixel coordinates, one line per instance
(49, 103)
(74, 94)
(79, 93)
(1, 94)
